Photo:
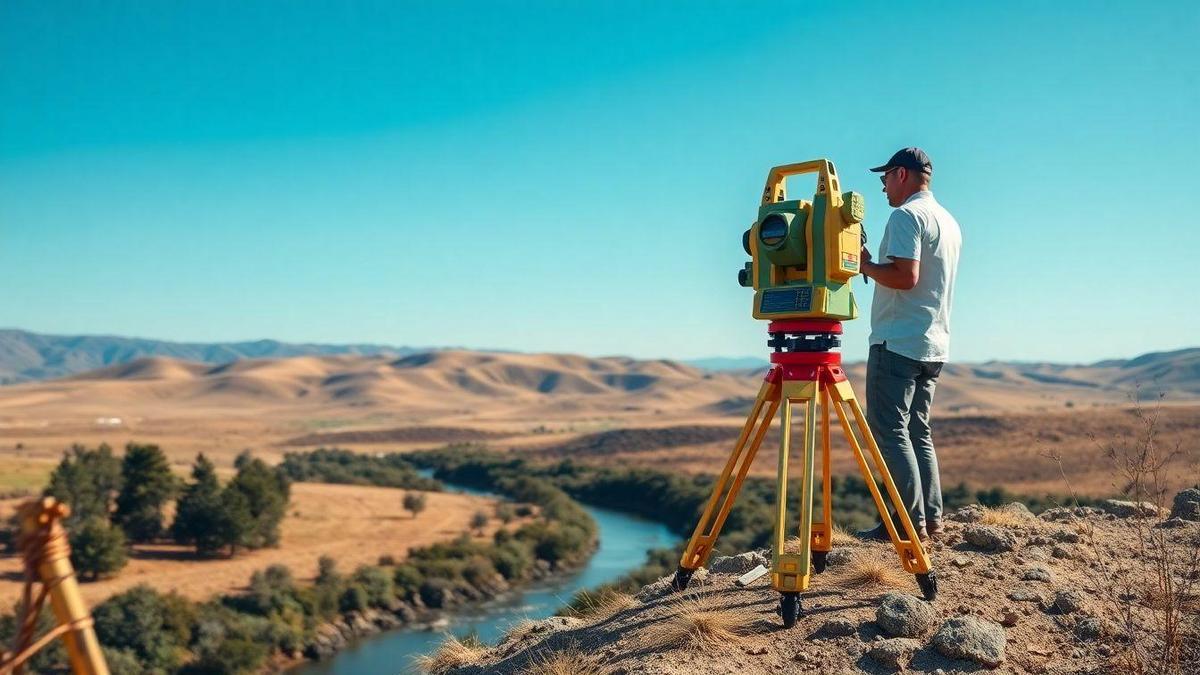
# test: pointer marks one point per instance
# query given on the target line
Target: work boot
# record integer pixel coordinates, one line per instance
(880, 533)
(877, 533)
(935, 529)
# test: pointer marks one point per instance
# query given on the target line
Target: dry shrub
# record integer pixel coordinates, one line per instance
(452, 653)
(601, 604)
(869, 573)
(1152, 598)
(698, 622)
(843, 537)
(839, 537)
(567, 662)
(1004, 516)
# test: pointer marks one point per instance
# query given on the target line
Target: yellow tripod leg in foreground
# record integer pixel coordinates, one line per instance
(726, 489)
(822, 531)
(791, 572)
(913, 556)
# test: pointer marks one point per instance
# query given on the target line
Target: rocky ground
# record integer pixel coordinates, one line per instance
(1069, 591)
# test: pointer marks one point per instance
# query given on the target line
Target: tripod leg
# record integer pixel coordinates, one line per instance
(729, 483)
(912, 555)
(790, 572)
(822, 535)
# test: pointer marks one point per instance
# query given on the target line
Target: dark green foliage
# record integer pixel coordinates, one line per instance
(327, 570)
(52, 658)
(414, 503)
(225, 641)
(266, 492)
(354, 598)
(206, 516)
(155, 628)
(88, 481)
(147, 486)
(406, 580)
(334, 465)
(435, 592)
(97, 548)
(479, 520)
(122, 662)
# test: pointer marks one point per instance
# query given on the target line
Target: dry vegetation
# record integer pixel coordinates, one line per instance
(700, 622)
(867, 572)
(601, 604)
(1153, 599)
(452, 653)
(570, 661)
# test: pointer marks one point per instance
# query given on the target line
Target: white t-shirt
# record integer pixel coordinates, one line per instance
(916, 323)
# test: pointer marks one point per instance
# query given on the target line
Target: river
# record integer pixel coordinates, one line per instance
(624, 541)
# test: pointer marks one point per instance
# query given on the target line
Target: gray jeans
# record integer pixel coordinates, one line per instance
(899, 396)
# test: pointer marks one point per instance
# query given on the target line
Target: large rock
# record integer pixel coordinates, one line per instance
(738, 564)
(990, 538)
(972, 638)
(837, 627)
(1070, 601)
(902, 615)
(1123, 509)
(1187, 504)
(894, 653)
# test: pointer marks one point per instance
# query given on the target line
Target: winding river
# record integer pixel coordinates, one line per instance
(624, 541)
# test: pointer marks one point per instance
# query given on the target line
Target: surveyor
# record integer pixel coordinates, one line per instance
(910, 333)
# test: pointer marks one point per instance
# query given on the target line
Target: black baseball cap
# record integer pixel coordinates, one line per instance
(913, 159)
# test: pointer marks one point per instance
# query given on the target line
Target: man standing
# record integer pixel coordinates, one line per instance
(910, 333)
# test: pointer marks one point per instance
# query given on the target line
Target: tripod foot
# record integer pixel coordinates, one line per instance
(928, 584)
(790, 607)
(819, 560)
(682, 578)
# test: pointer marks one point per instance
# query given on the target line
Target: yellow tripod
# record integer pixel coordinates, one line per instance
(809, 374)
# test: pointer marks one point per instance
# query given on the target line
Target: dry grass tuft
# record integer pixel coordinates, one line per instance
(843, 537)
(518, 631)
(1006, 517)
(452, 653)
(866, 573)
(698, 622)
(567, 662)
(602, 604)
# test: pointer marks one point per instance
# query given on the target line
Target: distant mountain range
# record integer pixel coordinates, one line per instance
(26, 356)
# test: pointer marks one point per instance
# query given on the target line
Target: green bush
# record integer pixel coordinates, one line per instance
(512, 560)
(435, 592)
(154, 627)
(377, 584)
(406, 580)
(97, 548)
(122, 662)
(354, 598)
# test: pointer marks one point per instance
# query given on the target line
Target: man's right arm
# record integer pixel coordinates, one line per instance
(902, 237)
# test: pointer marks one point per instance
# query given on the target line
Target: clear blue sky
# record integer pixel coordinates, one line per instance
(576, 176)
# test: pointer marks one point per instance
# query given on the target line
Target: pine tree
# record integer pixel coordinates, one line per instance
(148, 485)
(266, 492)
(87, 481)
(204, 516)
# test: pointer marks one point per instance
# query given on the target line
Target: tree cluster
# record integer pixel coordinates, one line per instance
(118, 501)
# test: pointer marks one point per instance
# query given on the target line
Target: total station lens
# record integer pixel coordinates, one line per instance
(773, 231)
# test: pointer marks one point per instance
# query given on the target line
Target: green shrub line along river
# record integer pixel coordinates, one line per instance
(624, 541)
